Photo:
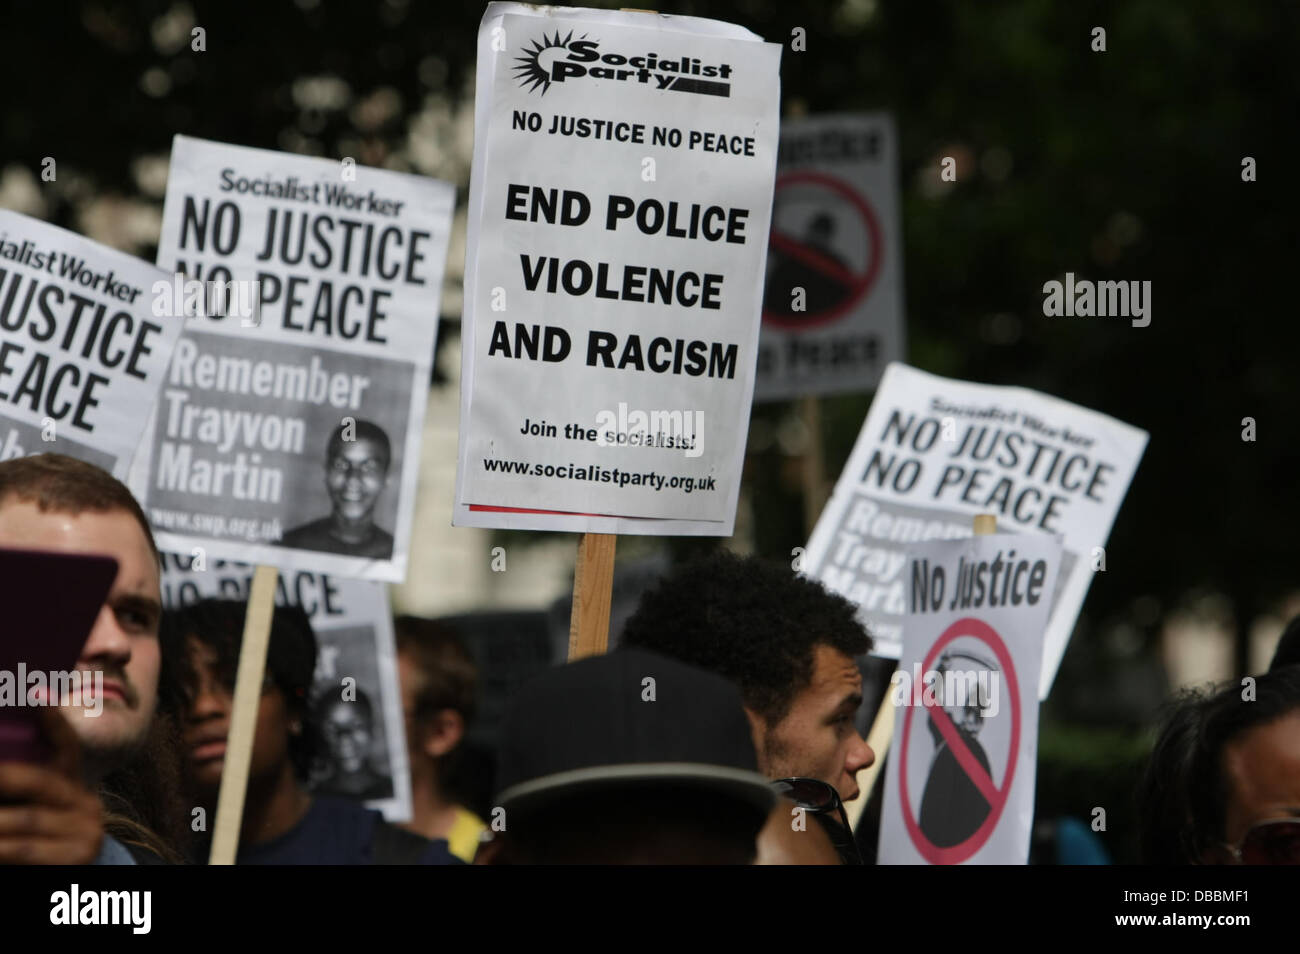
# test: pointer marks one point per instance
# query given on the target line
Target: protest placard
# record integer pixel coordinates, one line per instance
(959, 785)
(83, 350)
(833, 302)
(289, 427)
(356, 696)
(620, 201)
(932, 453)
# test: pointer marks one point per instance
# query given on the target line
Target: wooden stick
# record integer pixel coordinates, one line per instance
(882, 728)
(593, 575)
(593, 590)
(243, 718)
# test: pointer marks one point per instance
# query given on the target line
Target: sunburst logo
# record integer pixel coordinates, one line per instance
(535, 65)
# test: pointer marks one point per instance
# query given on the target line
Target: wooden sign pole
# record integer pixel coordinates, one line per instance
(243, 718)
(882, 729)
(593, 575)
(593, 591)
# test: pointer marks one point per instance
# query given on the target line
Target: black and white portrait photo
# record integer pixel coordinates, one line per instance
(358, 459)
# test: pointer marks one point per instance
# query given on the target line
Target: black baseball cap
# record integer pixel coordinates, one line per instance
(600, 724)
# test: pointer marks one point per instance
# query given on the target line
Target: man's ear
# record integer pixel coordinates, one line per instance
(443, 733)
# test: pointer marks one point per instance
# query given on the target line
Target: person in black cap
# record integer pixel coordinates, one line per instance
(629, 758)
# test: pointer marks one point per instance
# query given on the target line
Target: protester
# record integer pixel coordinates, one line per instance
(628, 758)
(787, 642)
(282, 822)
(48, 815)
(1244, 781)
(438, 689)
(107, 809)
(1163, 795)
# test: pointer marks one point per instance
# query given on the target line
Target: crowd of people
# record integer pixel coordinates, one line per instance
(722, 730)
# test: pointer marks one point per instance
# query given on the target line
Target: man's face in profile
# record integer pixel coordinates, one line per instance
(123, 644)
(817, 737)
(347, 730)
(355, 476)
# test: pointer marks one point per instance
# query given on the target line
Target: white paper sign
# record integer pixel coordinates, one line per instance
(354, 640)
(293, 438)
(959, 786)
(620, 202)
(833, 304)
(82, 349)
(934, 452)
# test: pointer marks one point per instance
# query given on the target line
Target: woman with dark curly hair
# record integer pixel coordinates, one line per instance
(283, 822)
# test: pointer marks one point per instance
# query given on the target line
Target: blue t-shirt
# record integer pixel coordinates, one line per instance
(336, 831)
(113, 852)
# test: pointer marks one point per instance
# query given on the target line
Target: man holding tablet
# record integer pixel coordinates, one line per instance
(49, 812)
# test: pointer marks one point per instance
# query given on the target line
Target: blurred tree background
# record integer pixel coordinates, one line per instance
(1123, 164)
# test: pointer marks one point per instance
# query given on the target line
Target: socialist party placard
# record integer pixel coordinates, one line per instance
(355, 705)
(84, 345)
(288, 429)
(833, 302)
(935, 452)
(620, 201)
(959, 785)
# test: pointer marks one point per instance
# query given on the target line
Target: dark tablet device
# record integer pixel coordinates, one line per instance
(48, 605)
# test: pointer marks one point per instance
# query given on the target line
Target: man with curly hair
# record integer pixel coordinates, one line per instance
(787, 642)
